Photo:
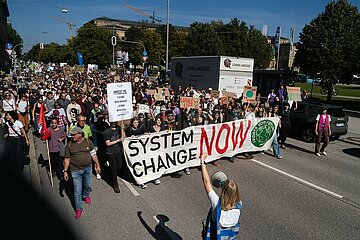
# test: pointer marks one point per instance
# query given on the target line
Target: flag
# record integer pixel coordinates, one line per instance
(80, 58)
(41, 121)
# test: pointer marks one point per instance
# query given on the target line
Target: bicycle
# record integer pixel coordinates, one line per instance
(324, 91)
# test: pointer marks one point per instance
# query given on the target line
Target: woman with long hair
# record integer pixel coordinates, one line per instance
(223, 220)
(14, 146)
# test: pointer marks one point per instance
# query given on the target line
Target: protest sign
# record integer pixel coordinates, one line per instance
(151, 156)
(249, 94)
(164, 91)
(294, 93)
(143, 108)
(158, 97)
(120, 101)
(152, 91)
(215, 94)
(186, 102)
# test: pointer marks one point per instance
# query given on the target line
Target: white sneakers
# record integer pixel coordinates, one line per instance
(319, 154)
(157, 181)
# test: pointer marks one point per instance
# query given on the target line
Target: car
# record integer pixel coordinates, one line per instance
(303, 120)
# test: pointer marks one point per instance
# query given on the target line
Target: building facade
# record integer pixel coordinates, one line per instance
(5, 62)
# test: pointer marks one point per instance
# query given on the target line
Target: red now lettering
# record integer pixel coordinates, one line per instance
(205, 138)
(238, 137)
(218, 149)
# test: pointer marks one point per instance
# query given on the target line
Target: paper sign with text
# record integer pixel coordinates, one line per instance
(120, 101)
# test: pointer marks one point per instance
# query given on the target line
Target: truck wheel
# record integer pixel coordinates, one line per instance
(308, 135)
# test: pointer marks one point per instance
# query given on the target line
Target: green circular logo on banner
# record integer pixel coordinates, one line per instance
(249, 94)
(262, 132)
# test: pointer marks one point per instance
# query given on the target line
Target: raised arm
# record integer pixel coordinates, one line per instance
(205, 174)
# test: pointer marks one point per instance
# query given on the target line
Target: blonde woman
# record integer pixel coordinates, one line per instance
(223, 220)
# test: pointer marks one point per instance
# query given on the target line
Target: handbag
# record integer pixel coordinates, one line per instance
(25, 147)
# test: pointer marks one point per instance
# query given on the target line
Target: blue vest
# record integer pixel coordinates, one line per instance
(214, 231)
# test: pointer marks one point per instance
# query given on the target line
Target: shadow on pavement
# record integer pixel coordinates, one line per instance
(162, 231)
(352, 152)
(300, 148)
(25, 214)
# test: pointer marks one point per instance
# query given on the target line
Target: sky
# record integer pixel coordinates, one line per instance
(31, 18)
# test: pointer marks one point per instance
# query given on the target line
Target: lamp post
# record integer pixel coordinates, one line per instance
(167, 36)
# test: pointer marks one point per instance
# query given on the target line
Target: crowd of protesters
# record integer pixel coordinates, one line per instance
(75, 102)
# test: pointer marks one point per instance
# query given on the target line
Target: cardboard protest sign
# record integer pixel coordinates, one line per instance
(186, 102)
(152, 91)
(164, 91)
(120, 101)
(215, 94)
(151, 156)
(249, 94)
(294, 93)
(158, 97)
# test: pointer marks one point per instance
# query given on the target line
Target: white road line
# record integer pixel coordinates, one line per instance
(131, 188)
(299, 179)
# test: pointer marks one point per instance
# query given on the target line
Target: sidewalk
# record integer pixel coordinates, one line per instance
(26, 210)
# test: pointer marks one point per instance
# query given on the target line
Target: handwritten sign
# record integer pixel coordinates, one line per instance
(120, 101)
(186, 102)
(294, 93)
(249, 94)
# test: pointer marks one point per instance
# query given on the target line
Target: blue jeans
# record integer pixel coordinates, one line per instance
(82, 185)
(275, 146)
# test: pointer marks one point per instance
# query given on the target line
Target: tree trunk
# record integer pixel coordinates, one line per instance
(329, 91)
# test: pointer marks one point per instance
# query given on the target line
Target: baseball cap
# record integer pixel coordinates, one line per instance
(162, 108)
(76, 130)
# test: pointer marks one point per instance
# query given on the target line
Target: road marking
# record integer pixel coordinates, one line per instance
(131, 188)
(299, 180)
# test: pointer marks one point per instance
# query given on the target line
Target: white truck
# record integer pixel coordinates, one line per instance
(216, 72)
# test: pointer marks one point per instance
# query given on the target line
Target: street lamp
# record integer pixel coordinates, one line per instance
(167, 36)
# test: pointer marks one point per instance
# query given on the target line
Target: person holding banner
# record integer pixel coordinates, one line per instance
(223, 219)
(114, 153)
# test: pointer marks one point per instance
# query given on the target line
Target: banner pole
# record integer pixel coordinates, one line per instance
(50, 170)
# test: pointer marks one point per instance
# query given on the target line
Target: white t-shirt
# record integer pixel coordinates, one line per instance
(17, 127)
(324, 117)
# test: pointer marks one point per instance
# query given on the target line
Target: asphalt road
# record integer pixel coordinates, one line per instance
(301, 196)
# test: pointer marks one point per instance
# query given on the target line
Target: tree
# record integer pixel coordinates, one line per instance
(203, 41)
(259, 49)
(52, 53)
(14, 38)
(33, 53)
(329, 45)
(94, 43)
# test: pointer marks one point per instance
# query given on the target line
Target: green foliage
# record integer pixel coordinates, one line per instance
(329, 45)
(94, 43)
(202, 40)
(14, 38)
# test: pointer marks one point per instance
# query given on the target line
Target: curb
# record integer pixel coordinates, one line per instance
(34, 168)
(352, 113)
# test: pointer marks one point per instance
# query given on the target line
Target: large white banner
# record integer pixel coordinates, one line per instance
(151, 156)
(120, 101)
